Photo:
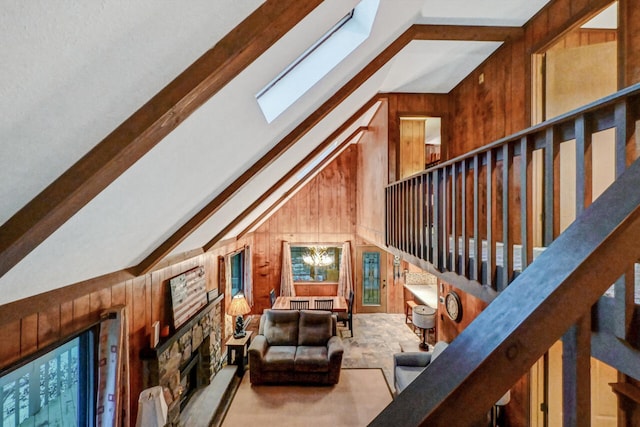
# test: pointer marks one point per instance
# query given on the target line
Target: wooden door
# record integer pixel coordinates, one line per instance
(371, 280)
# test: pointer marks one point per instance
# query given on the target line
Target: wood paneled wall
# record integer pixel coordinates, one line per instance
(146, 298)
(323, 211)
(372, 178)
(471, 307)
(629, 60)
(495, 99)
(414, 104)
(585, 37)
(490, 103)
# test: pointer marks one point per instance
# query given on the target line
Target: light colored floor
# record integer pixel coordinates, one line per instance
(376, 338)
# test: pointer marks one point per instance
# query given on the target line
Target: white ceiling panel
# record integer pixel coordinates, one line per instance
(425, 66)
(73, 72)
(514, 13)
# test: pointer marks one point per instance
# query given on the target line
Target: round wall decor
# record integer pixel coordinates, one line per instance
(453, 305)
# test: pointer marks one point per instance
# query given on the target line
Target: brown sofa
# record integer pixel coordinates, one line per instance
(296, 347)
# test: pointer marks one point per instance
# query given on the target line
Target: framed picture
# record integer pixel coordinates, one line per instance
(188, 294)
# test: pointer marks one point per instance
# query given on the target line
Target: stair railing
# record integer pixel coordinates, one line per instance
(471, 215)
(535, 310)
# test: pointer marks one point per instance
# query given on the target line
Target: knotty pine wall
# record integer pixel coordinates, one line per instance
(501, 104)
(414, 104)
(372, 178)
(72, 309)
(323, 211)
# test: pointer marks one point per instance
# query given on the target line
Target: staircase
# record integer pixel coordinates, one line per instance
(469, 221)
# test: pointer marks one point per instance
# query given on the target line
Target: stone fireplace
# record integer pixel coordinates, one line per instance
(188, 359)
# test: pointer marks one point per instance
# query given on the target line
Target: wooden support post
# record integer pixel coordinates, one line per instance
(576, 374)
(624, 304)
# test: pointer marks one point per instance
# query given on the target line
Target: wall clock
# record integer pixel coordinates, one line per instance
(453, 305)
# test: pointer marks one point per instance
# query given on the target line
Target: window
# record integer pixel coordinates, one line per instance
(316, 62)
(316, 263)
(237, 273)
(59, 383)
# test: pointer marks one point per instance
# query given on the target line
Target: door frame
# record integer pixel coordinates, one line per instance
(360, 308)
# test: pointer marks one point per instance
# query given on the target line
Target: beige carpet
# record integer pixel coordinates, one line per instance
(360, 395)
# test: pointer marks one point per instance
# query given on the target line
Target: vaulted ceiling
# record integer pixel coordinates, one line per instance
(177, 153)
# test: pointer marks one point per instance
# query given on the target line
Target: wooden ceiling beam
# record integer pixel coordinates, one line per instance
(39, 218)
(164, 112)
(287, 142)
(415, 32)
(466, 33)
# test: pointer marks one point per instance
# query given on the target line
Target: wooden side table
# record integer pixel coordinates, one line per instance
(239, 349)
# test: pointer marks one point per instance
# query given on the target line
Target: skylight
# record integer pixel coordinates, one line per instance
(316, 62)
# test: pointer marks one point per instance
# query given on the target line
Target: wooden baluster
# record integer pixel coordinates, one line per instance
(464, 232)
(477, 244)
(491, 240)
(446, 225)
(419, 216)
(526, 224)
(507, 261)
(551, 177)
(414, 216)
(429, 218)
(622, 136)
(437, 226)
(407, 213)
(454, 235)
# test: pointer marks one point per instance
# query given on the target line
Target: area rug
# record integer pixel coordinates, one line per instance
(360, 395)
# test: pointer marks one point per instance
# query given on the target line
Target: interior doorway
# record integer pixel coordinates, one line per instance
(371, 280)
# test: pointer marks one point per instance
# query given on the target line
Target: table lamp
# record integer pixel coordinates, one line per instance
(424, 317)
(239, 307)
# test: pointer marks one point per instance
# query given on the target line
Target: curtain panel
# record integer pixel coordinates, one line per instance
(113, 369)
(345, 284)
(248, 277)
(286, 277)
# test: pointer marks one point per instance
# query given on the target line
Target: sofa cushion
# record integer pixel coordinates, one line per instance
(281, 327)
(311, 359)
(279, 358)
(405, 374)
(315, 327)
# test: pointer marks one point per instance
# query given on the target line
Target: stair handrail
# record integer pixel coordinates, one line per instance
(522, 323)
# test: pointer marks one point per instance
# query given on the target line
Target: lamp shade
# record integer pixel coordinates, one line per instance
(424, 317)
(239, 306)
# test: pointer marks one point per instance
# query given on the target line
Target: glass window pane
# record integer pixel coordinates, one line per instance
(371, 278)
(311, 263)
(51, 385)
